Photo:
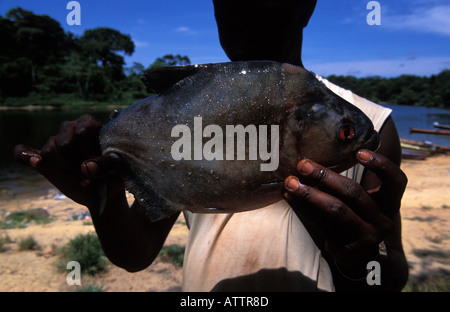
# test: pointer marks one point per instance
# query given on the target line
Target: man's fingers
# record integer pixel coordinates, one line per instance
(27, 156)
(54, 157)
(335, 219)
(97, 167)
(341, 228)
(331, 182)
(63, 153)
(346, 215)
(78, 140)
(34, 158)
(65, 135)
(389, 173)
(393, 180)
(347, 190)
(87, 131)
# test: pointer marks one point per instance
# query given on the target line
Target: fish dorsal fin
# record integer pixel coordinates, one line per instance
(161, 79)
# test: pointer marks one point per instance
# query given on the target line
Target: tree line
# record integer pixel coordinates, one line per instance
(41, 64)
(433, 91)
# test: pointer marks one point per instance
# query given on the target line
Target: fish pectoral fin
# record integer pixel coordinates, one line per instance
(161, 79)
(157, 207)
(160, 211)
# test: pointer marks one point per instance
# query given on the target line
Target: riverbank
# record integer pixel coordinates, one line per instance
(426, 237)
(426, 218)
(87, 107)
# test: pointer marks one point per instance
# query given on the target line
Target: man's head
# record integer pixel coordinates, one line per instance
(263, 29)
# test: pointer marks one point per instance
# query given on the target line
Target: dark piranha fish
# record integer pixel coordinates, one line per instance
(175, 151)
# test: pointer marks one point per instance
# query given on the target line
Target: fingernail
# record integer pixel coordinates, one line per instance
(292, 183)
(34, 160)
(306, 168)
(365, 155)
(91, 168)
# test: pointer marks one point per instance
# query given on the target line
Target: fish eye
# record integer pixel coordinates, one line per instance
(114, 114)
(346, 132)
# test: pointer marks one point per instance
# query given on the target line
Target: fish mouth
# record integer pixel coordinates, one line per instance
(128, 175)
(137, 182)
(373, 143)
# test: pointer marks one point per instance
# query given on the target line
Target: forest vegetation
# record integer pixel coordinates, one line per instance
(41, 64)
(433, 91)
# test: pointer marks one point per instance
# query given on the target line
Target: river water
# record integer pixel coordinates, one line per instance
(33, 128)
(36, 126)
(420, 117)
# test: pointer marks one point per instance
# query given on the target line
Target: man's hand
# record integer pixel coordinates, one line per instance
(351, 220)
(72, 161)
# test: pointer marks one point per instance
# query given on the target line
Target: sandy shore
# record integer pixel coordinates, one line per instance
(426, 216)
(426, 236)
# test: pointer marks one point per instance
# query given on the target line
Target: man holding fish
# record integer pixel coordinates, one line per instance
(318, 232)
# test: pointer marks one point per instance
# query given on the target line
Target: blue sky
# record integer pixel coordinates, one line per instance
(413, 38)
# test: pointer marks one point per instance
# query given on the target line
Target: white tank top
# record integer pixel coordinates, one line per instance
(267, 249)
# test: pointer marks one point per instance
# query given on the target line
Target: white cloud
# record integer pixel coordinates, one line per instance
(425, 19)
(182, 29)
(139, 43)
(383, 67)
(185, 30)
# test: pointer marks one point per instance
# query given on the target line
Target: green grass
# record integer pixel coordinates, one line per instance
(28, 243)
(173, 254)
(433, 284)
(86, 249)
(19, 219)
(90, 288)
(5, 239)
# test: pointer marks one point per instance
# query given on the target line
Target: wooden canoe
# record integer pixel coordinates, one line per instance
(412, 155)
(429, 131)
(421, 149)
(441, 126)
(427, 147)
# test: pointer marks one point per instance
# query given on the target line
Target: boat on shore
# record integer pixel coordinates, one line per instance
(441, 126)
(418, 150)
(429, 131)
(412, 155)
(419, 145)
